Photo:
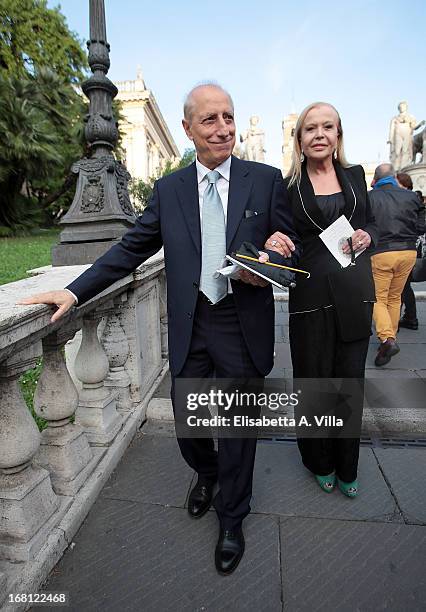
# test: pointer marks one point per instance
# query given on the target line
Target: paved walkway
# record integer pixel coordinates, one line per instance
(305, 550)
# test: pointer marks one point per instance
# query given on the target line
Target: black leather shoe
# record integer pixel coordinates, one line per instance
(385, 351)
(409, 323)
(229, 550)
(200, 500)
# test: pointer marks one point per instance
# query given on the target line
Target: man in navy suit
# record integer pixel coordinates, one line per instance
(225, 330)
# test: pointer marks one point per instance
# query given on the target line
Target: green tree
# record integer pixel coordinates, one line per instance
(38, 144)
(33, 36)
(41, 113)
(142, 190)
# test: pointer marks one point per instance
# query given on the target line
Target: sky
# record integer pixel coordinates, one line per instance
(274, 57)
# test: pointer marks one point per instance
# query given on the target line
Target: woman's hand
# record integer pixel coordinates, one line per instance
(252, 279)
(360, 241)
(280, 243)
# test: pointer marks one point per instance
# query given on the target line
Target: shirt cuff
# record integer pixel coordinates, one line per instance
(74, 296)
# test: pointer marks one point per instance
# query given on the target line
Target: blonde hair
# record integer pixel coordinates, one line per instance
(295, 171)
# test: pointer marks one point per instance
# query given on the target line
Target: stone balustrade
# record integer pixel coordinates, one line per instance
(92, 404)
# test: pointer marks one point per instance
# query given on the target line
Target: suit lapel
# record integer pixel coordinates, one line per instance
(240, 185)
(309, 198)
(309, 201)
(347, 191)
(187, 192)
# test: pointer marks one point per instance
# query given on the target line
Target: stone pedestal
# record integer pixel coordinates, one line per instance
(116, 347)
(28, 504)
(69, 254)
(68, 456)
(97, 415)
(418, 176)
(27, 513)
(140, 318)
(149, 349)
(64, 448)
(96, 412)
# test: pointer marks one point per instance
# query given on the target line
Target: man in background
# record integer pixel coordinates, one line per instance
(408, 299)
(400, 219)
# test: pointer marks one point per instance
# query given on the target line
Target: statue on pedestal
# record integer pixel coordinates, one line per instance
(401, 131)
(254, 139)
(419, 145)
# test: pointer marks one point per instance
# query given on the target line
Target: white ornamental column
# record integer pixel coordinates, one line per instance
(96, 412)
(27, 502)
(117, 349)
(64, 449)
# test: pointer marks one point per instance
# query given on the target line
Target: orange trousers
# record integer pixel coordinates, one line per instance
(390, 271)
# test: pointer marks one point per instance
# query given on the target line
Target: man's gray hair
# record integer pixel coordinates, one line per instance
(188, 103)
(383, 171)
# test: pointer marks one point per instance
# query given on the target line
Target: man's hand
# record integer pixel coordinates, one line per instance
(62, 299)
(252, 279)
(280, 243)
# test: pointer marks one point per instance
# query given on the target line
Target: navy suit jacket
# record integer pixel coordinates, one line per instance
(172, 220)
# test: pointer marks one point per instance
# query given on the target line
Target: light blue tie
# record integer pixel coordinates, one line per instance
(214, 286)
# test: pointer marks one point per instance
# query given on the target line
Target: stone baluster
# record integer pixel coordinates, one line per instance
(28, 504)
(64, 449)
(117, 349)
(163, 315)
(96, 411)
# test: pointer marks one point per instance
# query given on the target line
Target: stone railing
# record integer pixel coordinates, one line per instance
(93, 405)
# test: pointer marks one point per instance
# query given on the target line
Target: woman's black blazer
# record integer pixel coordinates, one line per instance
(315, 292)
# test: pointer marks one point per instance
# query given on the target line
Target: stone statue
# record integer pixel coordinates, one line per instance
(238, 151)
(401, 131)
(253, 139)
(419, 145)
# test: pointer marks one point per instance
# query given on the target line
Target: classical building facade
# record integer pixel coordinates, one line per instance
(147, 141)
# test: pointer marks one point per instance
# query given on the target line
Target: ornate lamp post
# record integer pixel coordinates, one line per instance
(101, 211)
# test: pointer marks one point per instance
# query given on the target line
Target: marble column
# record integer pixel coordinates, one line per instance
(64, 449)
(97, 408)
(27, 501)
(117, 349)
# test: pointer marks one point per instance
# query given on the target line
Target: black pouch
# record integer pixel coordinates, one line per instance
(353, 295)
(279, 275)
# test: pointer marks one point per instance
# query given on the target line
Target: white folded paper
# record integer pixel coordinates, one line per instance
(336, 236)
(234, 270)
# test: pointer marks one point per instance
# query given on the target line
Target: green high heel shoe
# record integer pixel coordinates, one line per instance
(327, 483)
(350, 489)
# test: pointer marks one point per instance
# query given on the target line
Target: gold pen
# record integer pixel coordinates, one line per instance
(268, 263)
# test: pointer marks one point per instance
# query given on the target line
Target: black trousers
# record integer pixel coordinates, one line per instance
(409, 300)
(317, 351)
(218, 350)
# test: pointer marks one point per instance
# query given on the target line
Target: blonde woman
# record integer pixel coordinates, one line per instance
(331, 311)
